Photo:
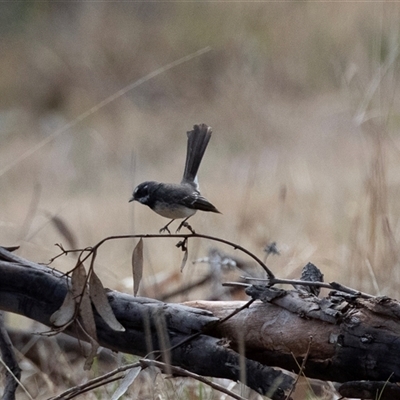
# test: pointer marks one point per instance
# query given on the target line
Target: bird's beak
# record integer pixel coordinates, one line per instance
(131, 199)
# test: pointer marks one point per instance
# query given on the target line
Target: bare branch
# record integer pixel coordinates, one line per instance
(184, 372)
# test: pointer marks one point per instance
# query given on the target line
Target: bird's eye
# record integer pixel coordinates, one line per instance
(141, 190)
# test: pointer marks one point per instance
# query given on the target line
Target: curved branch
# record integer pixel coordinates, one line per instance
(235, 246)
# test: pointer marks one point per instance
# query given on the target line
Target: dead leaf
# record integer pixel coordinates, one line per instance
(137, 265)
(66, 312)
(89, 324)
(100, 301)
(183, 245)
(126, 382)
(184, 259)
(78, 280)
(87, 316)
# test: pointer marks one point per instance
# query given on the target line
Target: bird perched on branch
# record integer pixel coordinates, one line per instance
(180, 200)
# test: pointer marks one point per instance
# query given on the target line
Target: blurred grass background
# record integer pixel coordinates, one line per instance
(302, 97)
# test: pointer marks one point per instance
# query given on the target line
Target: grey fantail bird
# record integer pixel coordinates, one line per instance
(173, 200)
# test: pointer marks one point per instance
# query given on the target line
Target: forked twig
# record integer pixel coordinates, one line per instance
(302, 368)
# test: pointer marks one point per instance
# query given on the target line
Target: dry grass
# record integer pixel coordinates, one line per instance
(302, 98)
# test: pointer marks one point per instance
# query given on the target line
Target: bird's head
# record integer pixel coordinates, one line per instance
(142, 192)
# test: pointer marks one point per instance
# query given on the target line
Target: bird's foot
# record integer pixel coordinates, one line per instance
(186, 225)
(165, 229)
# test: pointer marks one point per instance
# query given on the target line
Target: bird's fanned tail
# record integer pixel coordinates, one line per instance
(198, 139)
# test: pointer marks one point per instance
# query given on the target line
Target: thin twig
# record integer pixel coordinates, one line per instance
(94, 386)
(302, 368)
(236, 311)
(95, 381)
(331, 285)
(184, 372)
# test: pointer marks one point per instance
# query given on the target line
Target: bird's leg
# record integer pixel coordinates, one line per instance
(186, 225)
(165, 228)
